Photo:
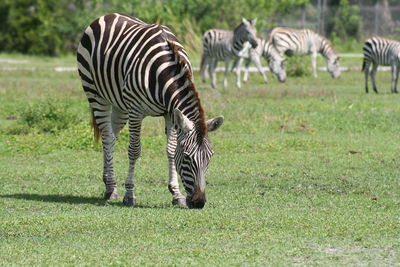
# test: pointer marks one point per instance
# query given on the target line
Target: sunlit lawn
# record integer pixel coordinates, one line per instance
(305, 172)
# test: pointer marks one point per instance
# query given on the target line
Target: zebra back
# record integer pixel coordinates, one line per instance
(134, 65)
(306, 41)
(301, 41)
(381, 51)
(221, 44)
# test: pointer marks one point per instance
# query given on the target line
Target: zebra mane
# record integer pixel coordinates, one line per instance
(180, 56)
(329, 44)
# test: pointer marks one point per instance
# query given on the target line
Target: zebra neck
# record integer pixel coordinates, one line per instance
(188, 102)
(267, 50)
(325, 49)
(237, 44)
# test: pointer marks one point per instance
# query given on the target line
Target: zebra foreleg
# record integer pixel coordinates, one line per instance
(227, 61)
(102, 115)
(173, 185)
(373, 77)
(395, 76)
(257, 62)
(134, 150)
(237, 71)
(314, 64)
(246, 70)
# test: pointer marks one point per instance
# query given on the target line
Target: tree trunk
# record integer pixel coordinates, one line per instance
(384, 17)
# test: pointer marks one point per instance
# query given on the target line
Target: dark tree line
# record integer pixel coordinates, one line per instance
(52, 27)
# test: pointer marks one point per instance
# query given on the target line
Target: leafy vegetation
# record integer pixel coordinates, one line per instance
(298, 66)
(54, 27)
(46, 117)
(304, 172)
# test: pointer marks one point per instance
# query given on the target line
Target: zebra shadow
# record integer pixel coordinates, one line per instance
(71, 199)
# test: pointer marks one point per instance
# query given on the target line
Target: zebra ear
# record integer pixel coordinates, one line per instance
(245, 21)
(182, 122)
(254, 21)
(214, 124)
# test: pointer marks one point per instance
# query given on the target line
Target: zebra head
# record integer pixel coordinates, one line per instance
(192, 156)
(276, 66)
(333, 66)
(247, 31)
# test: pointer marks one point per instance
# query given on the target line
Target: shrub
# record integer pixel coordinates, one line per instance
(44, 117)
(298, 66)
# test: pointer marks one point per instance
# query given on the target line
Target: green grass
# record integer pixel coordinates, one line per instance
(283, 188)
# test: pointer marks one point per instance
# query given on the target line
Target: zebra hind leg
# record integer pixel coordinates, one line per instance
(366, 74)
(102, 119)
(395, 75)
(118, 120)
(204, 68)
(373, 77)
(134, 150)
(212, 71)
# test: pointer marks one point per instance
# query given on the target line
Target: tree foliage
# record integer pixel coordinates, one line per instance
(52, 27)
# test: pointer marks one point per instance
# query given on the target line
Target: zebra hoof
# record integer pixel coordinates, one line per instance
(129, 201)
(180, 202)
(111, 195)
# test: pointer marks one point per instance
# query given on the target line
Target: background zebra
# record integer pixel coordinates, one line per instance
(381, 51)
(306, 41)
(129, 70)
(225, 45)
(266, 50)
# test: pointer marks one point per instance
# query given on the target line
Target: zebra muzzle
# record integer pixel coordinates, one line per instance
(197, 200)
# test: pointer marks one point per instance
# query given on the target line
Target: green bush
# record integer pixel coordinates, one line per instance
(44, 117)
(298, 66)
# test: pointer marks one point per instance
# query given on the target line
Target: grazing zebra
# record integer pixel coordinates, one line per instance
(225, 45)
(266, 50)
(129, 70)
(306, 41)
(381, 51)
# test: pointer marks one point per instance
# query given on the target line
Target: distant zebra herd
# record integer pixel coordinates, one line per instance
(221, 45)
(130, 69)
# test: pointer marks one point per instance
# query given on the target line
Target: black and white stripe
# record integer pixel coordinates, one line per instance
(222, 45)
(266, 50)
(381, 51)
(306, 41)
(130, 70)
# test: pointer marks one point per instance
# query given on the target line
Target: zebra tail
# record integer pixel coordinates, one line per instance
(202, 63)
(96, 130)
(363, 65)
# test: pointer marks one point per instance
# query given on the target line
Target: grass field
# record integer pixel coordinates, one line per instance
(304, 173)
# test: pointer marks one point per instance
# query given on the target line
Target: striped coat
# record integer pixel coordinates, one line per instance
(222, 45)
(305, 41)
(381, 51)
(266, 50)
(130, 70)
